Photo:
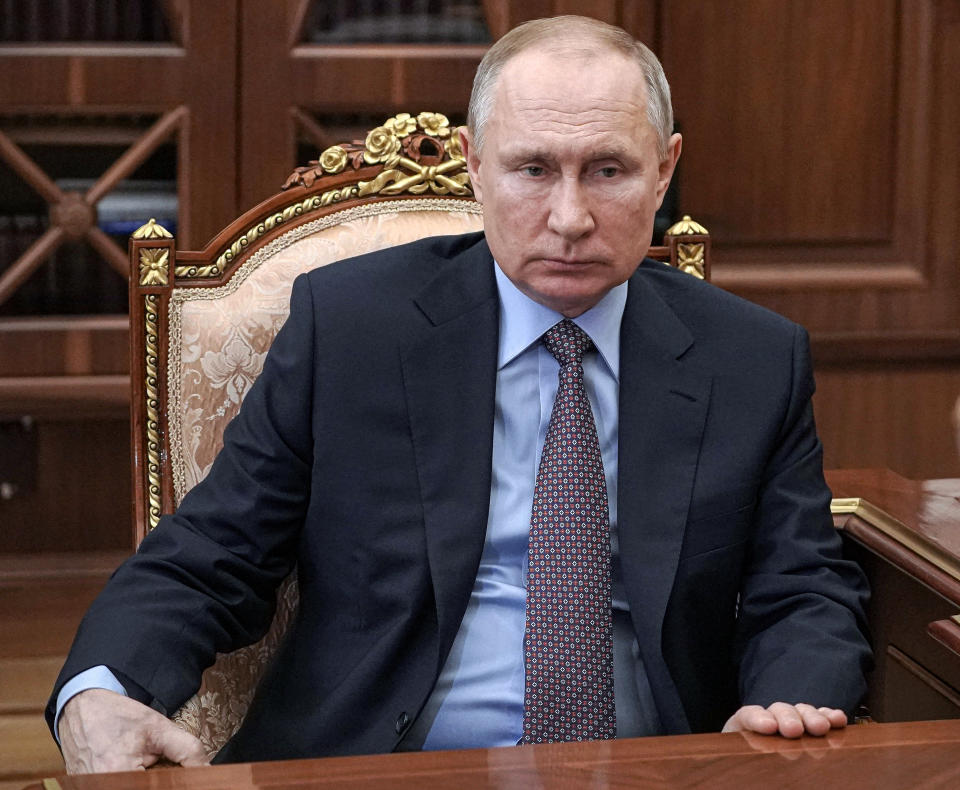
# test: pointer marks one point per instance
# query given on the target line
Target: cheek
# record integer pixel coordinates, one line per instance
(518, 208)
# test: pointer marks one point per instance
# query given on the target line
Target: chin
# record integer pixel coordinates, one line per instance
(570, 305)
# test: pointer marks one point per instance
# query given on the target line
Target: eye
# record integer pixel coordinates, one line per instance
(534, 171)
(608, 172)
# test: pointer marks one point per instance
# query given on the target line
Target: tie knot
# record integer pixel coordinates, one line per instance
(567, 342)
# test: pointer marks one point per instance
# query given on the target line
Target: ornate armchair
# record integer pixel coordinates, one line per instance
(201, 324)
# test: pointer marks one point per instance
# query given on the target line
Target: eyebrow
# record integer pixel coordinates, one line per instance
(520, 155)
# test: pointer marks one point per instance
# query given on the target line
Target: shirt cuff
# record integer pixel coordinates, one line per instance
(94, 678)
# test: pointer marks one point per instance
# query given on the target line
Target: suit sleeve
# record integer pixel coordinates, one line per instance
(204, 581)
(801, 625)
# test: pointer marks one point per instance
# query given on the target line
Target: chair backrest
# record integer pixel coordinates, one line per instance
(201, 323)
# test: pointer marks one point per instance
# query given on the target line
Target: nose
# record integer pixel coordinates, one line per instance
(570, 214)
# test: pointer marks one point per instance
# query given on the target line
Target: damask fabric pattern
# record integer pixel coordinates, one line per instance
(568, 642)
(224, 335)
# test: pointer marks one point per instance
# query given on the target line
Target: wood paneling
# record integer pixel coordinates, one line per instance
(81, 500)
(42, 598)
(789, 107)
(150, 79)
(898, 416)
(58, 346)
(71, 373)
(821, 152)
(281, 79)
(813, 157)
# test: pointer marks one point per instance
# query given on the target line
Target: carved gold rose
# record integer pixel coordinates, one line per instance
(381, 144)
(453, 145)
(334, 159)
(434, 124)
(401, 125)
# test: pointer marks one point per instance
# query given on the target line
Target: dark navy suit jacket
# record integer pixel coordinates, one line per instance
(362, 456)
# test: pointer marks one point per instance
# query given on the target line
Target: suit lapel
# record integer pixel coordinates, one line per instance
(450, 379)
(663, 406)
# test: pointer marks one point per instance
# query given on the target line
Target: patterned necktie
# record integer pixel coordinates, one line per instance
(568, 640)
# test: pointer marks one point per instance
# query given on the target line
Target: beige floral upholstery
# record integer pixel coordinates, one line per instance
(218, 340)
(219, 336)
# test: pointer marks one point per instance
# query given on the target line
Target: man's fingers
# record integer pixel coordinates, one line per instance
(819, 721)
(838, 719)
(178, 745)
(752, 718)
(791, 721)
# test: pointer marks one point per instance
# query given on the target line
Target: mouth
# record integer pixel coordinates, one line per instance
(566, 263)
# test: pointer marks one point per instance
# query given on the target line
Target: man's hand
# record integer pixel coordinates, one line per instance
(791, 721)
(103, 731)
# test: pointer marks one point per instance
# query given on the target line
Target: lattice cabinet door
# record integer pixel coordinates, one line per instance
(111, 111)
(317, 72)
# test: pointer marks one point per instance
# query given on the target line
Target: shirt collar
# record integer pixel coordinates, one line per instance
(523, 321)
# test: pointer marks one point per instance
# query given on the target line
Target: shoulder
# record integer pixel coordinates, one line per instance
(711, 312)
(717, 332)
(378, 291)
(410, 265)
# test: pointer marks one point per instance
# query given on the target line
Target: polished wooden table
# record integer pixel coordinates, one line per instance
(877, 756)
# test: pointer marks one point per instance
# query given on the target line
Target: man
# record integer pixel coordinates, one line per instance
(405, 446)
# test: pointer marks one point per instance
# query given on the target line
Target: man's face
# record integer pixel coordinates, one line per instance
(569, 175)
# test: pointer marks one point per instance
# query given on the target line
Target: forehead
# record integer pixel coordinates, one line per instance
(571, 98)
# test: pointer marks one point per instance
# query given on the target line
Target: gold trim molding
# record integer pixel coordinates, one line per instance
(151, 334)
(898, 531)
(691, 256)
(152, 230)
(246, 238)
(425, 147)
(419, 156)
(687, 227)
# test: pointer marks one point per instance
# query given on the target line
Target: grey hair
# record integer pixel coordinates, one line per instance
(570, 33)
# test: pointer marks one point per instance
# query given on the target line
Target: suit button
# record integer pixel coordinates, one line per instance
(402, 721)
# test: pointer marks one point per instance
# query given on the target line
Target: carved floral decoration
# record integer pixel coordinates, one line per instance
(691, 256)
(153, 266)
(417, 155)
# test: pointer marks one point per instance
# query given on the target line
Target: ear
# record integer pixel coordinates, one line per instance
(667, 165)
(472, 156)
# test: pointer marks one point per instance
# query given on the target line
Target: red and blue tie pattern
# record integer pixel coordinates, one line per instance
(568, 639)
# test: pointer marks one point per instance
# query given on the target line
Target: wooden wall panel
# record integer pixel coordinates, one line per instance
(821, 151)
(81, 497)
(818, 155)
(789, 110)
(894, 415)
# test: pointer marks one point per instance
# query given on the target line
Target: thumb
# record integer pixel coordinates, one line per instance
(178, 745)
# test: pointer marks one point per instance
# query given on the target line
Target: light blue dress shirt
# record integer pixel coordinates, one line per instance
(478, 699)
